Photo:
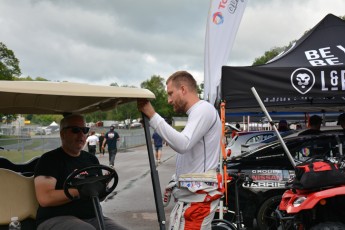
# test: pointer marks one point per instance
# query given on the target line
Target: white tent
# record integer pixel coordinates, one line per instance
(53, 124)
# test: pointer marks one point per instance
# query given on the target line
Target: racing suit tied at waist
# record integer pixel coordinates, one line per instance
(201, 185)
(193, 188)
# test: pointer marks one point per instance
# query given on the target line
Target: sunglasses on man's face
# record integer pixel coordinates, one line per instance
(76, 129)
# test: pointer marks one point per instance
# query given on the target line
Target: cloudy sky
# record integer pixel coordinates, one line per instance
(122, 41)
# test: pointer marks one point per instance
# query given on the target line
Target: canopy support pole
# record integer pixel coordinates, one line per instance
(154, 175)
(263, 108)
(222, 161)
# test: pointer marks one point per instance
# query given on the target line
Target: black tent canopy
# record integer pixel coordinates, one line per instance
(308, 77)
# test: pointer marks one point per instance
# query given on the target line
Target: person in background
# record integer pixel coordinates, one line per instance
(110, 139)
(341, 120)
(100, 141)
(198, 151)
(298, 127)
(158, 143)
(228, 134)
(56, 211)
(283, 126)
(315, 122)
(91, 142)
(234, 131)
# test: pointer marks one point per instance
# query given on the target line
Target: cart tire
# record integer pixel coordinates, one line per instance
(218, 224)
(266, 215)
(329, 226)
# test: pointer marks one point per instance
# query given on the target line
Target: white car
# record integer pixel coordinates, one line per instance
(233, 149)
(136, 125)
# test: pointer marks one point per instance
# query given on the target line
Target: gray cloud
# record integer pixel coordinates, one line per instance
(127, 42)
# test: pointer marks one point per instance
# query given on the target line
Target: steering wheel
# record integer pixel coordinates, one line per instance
(90, 182)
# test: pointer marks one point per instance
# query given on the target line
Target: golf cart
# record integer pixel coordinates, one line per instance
(17, 194)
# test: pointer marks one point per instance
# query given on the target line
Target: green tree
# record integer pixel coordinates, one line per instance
(28, 78)
(40, 79)
(114, 84)
(156, 84)
(45, 119)
(95, 116)
(9, 64)
(127, 111)
(268, 55)
(120, 113)
(200, 89)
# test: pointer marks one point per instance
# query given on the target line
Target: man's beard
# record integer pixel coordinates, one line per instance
(180, 106)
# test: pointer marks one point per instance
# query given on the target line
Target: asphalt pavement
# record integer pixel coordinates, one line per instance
(132, 203)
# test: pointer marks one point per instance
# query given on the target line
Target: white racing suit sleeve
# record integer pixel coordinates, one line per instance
(197, 196)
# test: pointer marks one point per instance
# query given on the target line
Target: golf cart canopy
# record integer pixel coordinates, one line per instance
(43, 97)
(37, 97)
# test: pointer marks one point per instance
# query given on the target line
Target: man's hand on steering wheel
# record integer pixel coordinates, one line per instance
(90, 184)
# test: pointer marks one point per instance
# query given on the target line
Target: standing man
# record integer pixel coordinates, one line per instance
(111, 138)
(101, 139)
(341, 120)
(91, 142)
(315, 122)
(158, 142)
(283, 126)
(198, 146)
(55, 210)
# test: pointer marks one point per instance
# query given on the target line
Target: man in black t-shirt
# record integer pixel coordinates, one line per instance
(111, 139)
(315, 122)
(341, 120)
(55, 210)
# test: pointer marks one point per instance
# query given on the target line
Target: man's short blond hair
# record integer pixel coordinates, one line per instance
(183, 77)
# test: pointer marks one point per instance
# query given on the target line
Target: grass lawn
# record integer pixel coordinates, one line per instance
(17, 155)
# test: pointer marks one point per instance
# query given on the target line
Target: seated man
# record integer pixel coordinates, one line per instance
(55, 210)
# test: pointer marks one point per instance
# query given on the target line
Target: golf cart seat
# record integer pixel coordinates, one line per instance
(26, 169)
(17, 198)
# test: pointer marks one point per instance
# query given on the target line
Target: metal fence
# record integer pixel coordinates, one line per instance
(22, 149)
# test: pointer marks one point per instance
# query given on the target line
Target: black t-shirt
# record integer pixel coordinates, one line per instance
(310, 132)
(111, 138)
(59, 165)
(100, 139)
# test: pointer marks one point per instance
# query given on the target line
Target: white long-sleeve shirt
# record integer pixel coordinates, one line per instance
(198, 145)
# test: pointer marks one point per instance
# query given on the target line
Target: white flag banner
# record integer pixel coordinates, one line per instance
(222, 24)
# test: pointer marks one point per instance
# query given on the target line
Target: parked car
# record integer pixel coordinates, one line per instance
(136, 125)
(233, 149)
(270, 169)
(251, 146)
(289, 133)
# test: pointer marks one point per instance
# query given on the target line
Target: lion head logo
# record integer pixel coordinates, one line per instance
(303, 80)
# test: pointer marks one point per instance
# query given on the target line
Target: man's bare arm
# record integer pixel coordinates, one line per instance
(46, 193)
